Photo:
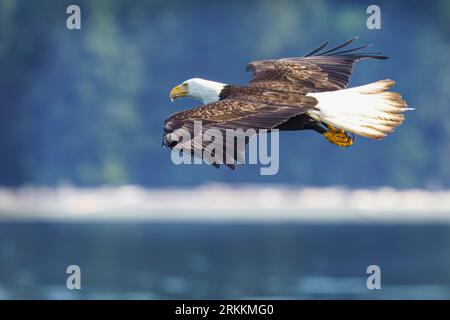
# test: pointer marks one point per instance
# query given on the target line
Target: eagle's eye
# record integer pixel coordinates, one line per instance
(185, 86)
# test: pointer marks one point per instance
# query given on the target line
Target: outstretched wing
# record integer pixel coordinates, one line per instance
(196, 129)
(317, 71)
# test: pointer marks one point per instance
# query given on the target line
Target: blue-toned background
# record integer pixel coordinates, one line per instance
(85, 108)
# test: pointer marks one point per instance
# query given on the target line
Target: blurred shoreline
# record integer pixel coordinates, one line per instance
(225, 203)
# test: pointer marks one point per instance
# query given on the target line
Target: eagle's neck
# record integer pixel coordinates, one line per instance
(205, 90)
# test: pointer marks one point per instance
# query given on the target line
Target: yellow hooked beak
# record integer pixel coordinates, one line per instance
(178, 92)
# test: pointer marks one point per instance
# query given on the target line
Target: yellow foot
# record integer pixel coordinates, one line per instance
(338, 137)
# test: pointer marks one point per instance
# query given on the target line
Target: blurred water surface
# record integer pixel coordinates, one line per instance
(139, 260)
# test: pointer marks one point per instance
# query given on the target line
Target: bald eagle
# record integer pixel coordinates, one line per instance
(302, 93)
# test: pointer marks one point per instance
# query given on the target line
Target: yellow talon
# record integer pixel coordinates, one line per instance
(338, 137)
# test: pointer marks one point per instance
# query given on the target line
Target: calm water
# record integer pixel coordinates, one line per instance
(201, 260)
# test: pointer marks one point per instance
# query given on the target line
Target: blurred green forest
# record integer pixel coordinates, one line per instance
(87, 106)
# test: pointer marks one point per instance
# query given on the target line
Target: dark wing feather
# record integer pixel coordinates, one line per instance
(316, 72)
(319, 48)
(223, 115)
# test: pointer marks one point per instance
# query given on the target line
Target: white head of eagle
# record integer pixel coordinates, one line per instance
(200, 89)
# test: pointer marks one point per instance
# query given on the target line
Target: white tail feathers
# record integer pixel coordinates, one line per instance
(370, 110)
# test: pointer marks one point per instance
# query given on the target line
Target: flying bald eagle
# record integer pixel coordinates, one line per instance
(303, 93)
